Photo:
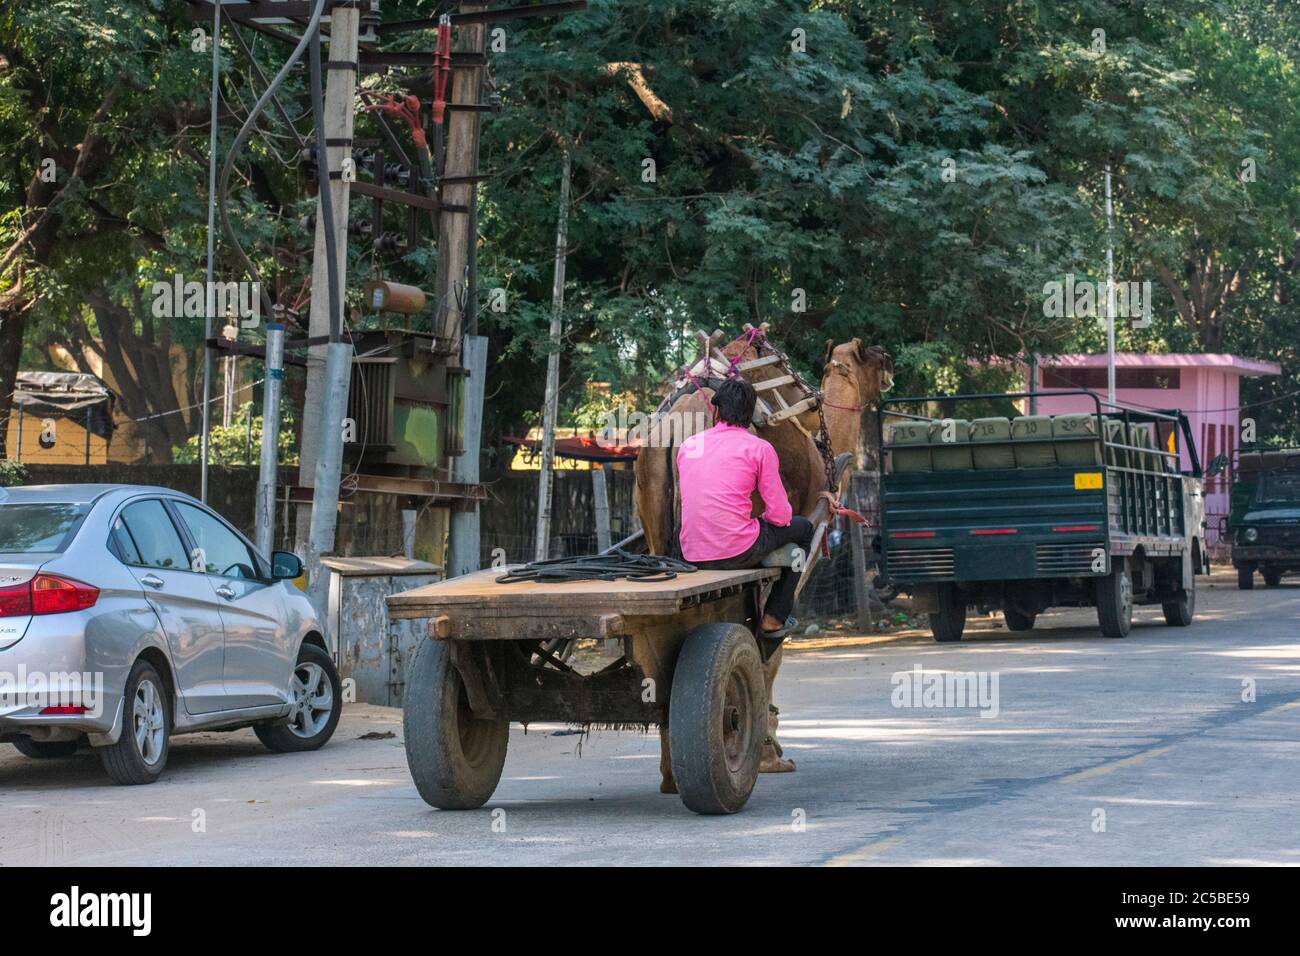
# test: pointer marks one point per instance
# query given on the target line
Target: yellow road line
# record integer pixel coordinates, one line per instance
(863, 853)
(1115, 765)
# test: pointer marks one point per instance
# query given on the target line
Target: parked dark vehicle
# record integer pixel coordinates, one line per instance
(1026, 513)
(1265, 515)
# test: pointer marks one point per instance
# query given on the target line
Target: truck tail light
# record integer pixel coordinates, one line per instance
(46, 594)
(911, 534)
(1078, 527)
(995, 531)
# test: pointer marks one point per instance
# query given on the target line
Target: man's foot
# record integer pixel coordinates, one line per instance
(773, 629)
(772, 761)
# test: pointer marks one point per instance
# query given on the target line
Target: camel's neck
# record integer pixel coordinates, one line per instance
(843, 414)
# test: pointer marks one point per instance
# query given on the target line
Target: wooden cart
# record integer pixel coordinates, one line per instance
(690, 661)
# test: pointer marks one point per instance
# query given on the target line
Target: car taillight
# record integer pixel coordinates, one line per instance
(54, 595)
(46, 594)
(16, 601)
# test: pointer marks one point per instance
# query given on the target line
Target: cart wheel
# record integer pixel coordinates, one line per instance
(454, 757)
(1115, 601)
(1179, 613)
(949, 621)
(1017, 621)
(1245, 579)
(717, 718)
(1272, 578)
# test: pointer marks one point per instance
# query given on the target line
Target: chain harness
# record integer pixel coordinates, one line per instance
(705, 375)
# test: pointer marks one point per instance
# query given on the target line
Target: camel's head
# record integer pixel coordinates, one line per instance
(870, 369)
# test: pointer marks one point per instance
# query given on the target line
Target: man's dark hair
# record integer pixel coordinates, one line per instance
(735, 400)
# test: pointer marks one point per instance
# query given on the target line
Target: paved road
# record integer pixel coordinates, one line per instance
(1152, 731)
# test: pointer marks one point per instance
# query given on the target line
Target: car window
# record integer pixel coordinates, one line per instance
(124, 544)
(155, 540)
(220, 550)
(39, 528)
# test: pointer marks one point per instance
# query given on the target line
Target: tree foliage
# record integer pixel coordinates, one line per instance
(911, 173)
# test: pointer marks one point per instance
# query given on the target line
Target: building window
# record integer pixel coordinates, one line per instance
(1095, 378)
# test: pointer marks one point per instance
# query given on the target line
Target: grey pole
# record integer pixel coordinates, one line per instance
(600, 494)
(270, 460)
(329, 465)
(409, 516)
(542, 549)
(1110, 296)
(212, 235)
(464, 537)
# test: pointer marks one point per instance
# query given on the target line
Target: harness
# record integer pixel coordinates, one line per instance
(715, 367)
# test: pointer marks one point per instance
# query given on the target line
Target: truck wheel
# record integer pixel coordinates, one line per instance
(1115, 601)
(1016, 621)
(1179, 613)
(454, 757)
(1245, 579)
(717, 718)
(1272, 578)
(949, 621)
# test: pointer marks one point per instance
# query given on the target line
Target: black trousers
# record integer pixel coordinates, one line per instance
(799, 531)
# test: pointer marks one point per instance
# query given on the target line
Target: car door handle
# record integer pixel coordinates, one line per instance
(152, 580)
(227, 592)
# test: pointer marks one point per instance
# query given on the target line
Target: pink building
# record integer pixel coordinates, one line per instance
(1204, 387)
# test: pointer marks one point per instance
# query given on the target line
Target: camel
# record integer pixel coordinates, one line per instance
(853, 377)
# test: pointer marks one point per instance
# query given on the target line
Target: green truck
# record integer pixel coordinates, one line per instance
(1020, 514)
(1264, 515)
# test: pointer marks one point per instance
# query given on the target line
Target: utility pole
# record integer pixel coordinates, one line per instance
(264, 536)
(1110, 295)
(208, 297)
(229, 332)
(600, 492)
(329, 368)
(551, 410)
(457, 287)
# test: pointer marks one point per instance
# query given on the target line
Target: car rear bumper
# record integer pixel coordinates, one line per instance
(51, 688)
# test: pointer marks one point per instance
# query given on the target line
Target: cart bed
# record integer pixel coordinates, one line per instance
(478, 596)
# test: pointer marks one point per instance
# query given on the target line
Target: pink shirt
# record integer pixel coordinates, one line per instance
(720, 469)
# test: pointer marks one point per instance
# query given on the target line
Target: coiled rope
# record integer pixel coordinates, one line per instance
(609, 566)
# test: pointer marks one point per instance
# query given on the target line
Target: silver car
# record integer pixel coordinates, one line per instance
(131, 613)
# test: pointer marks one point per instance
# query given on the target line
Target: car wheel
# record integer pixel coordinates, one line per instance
(1245, 579)
(140, 753)
(317, 704)
(1272, 578)
(45, 749)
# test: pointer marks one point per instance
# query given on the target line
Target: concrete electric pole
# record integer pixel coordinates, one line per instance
(329, 368)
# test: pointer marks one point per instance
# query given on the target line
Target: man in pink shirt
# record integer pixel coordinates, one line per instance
(719, 470)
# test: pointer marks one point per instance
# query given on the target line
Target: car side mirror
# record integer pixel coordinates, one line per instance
(285, 565)
(1217, 466)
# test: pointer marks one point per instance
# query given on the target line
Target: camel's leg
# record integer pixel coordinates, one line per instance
(773, 761)
(666, 783)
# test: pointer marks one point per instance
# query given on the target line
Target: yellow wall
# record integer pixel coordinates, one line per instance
(69, 442)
